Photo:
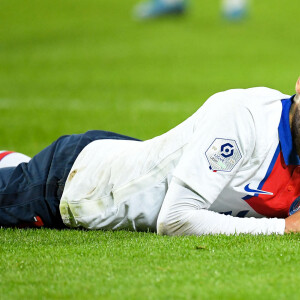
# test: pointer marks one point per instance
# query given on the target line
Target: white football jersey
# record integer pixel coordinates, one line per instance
(233, 159)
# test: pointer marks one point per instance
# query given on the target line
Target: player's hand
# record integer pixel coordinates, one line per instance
(292, 223)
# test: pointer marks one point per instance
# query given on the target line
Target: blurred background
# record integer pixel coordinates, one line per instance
(67, 66)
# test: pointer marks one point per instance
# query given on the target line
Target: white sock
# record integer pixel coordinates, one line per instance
(12, 159)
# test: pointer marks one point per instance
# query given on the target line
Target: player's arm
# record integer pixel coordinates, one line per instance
(184, 212)
(195, 186)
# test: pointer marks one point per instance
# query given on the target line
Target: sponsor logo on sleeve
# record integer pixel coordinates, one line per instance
(223, 155)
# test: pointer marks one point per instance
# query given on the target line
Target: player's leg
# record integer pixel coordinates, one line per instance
(156, 8)
(30, 192)
(12, 159)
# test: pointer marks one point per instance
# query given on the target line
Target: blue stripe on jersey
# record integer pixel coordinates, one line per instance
(271, 166)
(285, 143)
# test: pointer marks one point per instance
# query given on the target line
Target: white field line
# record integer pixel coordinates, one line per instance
(85, 105)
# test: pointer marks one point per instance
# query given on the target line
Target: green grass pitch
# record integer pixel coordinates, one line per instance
(73, 65)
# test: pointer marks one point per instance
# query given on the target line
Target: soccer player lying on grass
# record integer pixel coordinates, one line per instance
(232, 167)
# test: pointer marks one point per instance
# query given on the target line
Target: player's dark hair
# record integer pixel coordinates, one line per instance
(296, 128)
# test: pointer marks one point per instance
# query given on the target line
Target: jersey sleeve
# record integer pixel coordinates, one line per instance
(184, 213)
(222, 144)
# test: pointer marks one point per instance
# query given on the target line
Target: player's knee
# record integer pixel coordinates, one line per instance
(165, 227)
(161, 225)
(161, 228)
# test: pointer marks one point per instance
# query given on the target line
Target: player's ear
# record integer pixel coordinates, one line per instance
(297, 97)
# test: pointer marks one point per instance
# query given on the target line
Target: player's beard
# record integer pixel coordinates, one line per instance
(296, 128)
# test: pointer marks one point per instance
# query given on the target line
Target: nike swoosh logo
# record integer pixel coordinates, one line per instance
(249, 190)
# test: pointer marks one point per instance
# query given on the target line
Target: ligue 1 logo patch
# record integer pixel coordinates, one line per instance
(223, 155)
(295, 206)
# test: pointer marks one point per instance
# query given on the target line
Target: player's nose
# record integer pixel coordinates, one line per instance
(298, 86)
(297, 97)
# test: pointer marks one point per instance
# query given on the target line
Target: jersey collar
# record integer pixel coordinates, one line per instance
(285, 135)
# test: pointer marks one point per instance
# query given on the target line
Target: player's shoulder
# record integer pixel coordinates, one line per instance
(249, 93)
(263, 94)
(250, 98)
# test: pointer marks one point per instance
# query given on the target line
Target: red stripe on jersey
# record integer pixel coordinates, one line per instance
(3, 154)
(284, 183)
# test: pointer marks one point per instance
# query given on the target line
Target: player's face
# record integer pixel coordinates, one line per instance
(298, 87)
(295, 127)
